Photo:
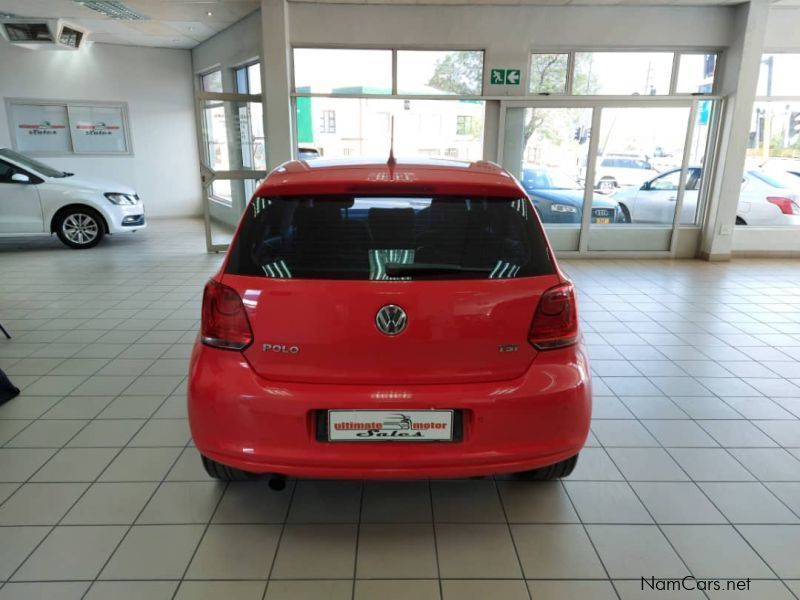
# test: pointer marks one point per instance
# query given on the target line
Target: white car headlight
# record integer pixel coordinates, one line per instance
(122, 199)
(563, 208)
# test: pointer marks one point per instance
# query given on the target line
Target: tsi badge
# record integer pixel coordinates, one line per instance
(280, 348)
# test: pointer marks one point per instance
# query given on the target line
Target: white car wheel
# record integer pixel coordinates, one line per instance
(80, 228)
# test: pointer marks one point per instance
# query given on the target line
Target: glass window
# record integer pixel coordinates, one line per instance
(32, 164)
(548, 74)
(241, 80)
(778, 75)
(638, 164)
(622, 73)
(667, 182)
(349, 71)
(465, 125)
(254, 78)
(327, 121)
(362, 127)
(381, 238)
(212, 82)
(248, 79)
(696, 73)
(426, 72)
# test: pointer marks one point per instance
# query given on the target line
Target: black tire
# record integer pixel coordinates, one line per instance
(626, 214)
(740, 221)
(224, 472)
(556, 471)
(79, 227)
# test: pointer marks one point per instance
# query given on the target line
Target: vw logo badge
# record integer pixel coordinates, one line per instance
(391, 319)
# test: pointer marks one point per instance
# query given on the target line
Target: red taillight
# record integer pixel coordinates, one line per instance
(555, 323)
(787, 205)
(224, 323)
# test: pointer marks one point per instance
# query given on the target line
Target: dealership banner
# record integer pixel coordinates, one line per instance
(40, 128)
(97, 129)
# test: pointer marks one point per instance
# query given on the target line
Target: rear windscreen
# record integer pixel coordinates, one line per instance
(386, 238)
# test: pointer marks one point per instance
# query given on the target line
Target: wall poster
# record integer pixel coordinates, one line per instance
(65, 127)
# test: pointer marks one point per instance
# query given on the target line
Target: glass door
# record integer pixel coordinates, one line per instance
(232, 159)
(639, 172)
(547, 149)
(611, 175)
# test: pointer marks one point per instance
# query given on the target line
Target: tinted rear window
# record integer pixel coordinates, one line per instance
(364, 237)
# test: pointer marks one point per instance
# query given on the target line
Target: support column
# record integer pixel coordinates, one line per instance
(739, 78)
(277, 82)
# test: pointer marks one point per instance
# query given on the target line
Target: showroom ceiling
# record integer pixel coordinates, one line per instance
(167, 23)
(186, 23)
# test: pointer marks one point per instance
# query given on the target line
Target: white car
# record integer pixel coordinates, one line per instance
(766, 198)
(616, 171)
(37, 199)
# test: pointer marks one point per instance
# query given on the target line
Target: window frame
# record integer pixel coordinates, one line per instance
(394, 90)
(244, 68)
(672, 89)
(125, 124)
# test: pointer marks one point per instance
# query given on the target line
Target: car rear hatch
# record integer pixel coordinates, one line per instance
(463, 277)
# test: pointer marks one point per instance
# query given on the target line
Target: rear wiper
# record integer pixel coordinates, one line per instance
(67, 174)
(400, 269)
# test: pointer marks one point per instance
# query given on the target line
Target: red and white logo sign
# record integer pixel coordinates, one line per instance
(98, 128)
(43, 128)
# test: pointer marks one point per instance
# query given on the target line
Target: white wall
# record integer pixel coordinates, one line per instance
(156, 84)
(509, 33)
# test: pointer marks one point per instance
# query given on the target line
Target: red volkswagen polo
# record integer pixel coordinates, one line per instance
(402, 320)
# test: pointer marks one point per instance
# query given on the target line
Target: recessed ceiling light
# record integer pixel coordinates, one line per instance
(209, 13)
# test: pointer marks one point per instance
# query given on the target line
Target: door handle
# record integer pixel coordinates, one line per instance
(673, 198)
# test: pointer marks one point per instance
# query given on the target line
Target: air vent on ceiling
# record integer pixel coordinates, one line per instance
(113, 10)
(28, 32)
(70, 37)
(38, 34)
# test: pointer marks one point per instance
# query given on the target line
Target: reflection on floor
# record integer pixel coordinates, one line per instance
(693, 466)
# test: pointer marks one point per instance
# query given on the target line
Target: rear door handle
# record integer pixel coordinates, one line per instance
(673, 198)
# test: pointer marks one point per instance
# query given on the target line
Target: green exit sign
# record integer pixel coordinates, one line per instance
(505, 76)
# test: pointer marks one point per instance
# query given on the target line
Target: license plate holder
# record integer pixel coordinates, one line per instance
(420, 426)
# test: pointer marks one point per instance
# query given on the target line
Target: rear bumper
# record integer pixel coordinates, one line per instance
(240, 419)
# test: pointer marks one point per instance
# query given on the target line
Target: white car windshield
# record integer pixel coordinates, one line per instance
(33, 165)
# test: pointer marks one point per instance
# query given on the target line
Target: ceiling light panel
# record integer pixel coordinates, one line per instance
(113, 10)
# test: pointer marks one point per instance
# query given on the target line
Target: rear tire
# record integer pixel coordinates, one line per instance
(224, 472)
(556, 471)
(740, 221)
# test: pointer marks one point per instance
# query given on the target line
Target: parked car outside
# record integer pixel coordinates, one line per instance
(397, 321)
(307, 153)
(790, 165)
(615, 171)
(558, 198)
(38, 199)
(766, 198)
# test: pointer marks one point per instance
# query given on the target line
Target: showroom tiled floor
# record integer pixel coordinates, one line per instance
(693, 466)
